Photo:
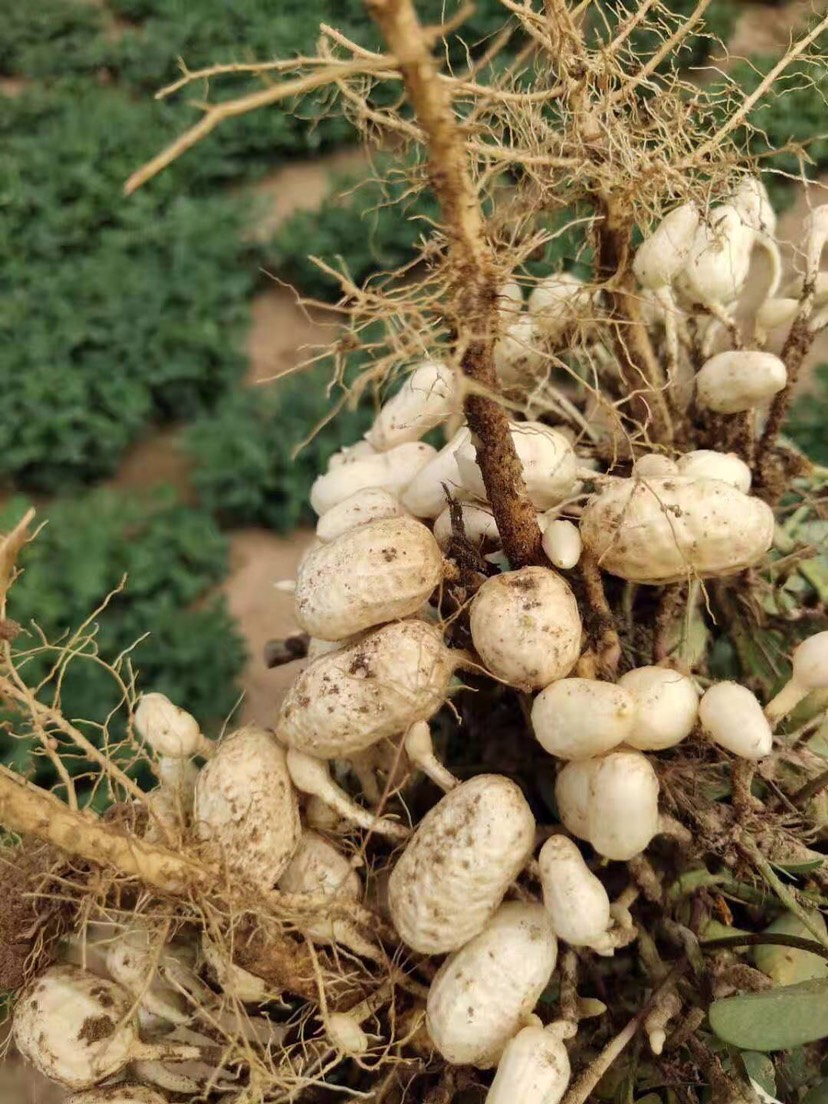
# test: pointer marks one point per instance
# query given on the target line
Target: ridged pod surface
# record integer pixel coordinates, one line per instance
(457, 867)
(72, 1026)
(526, 627)
(370, 504)
(664, 530)
(348, 700)
(427, 397)
(483, 992)
(534, 1069)
(246, 811)
(317, 868)
(378, 572)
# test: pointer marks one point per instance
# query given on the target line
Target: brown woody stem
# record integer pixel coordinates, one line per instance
(473, 276)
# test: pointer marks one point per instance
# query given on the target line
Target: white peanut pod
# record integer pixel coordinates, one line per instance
(664, 530)
(74, 1027)
(666, 707)
(546, 456)
(382, 571)
(574, 898)
(517, 355)
(168, 729)
(526, 627)
(572, 795)
(719, 259)
(578, 718)
(459, 863)
(370, 504)
(392, 471)
(347, 700)
(427, 397)
(622, 809)
(317, 868)
(661, 256)
(733, 718)
(557, 303)
(709, 464)
(739, 379)
(118, 1094)
(246, 811)
(533, 1069)
(562, 543)
(425, 495)
(345, 1034)
(653, 465)
(482, 994)
(479, 525)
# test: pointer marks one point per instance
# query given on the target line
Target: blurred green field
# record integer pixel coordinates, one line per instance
(120, 316)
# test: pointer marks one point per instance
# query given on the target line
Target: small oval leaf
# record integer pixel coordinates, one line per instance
(775, 1019)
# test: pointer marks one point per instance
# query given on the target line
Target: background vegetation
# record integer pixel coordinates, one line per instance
(119, 315)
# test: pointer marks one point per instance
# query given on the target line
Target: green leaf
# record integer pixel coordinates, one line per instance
(776, 1019)
(761, 1070)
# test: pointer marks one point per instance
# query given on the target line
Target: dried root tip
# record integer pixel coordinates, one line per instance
(666, 1008)
(420, 751)
(312, 776)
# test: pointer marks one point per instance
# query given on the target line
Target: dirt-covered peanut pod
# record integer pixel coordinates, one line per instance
(574, 898)
(578, 718)
(534, 1067)
(709, 464)
(546, 456)
(369, 504)
(246, 813)
(738, 380)
(622, 805)
(379, 572)
(562, 543)
(666, 706)
(558, 303)
(479, 526)
(810, 672)
(732, 717)
(76, 1028)
(425, 495)
(392, 471)
(168, 729)
(484, 992)
(427, 397)
(118, 1094)
(572, 795)
(518, 357)
(317, 868)
(667, 529)
(349, 699)
(526, 627)
(459, 863)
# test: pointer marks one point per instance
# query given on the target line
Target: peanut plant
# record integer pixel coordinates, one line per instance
(541, 816)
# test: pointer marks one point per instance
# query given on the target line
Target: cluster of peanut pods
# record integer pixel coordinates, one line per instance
(268, 807)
